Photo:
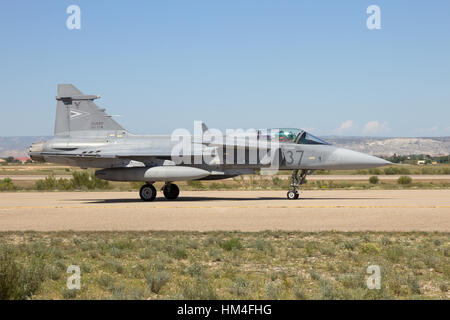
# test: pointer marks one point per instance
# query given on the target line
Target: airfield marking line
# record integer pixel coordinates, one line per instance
(230, 207)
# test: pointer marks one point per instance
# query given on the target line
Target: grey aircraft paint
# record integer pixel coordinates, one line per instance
(85, 136)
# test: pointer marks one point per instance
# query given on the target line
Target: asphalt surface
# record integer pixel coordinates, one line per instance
(343, 210)
(353, 177)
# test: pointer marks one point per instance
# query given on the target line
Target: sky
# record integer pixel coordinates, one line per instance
(160, 65)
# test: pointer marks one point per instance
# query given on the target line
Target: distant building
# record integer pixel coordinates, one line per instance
(421, 162)
(22, 159)
(2, 160)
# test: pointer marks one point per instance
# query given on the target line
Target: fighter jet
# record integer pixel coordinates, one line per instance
(86, 137)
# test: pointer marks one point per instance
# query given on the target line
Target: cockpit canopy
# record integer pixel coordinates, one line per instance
(290, 135)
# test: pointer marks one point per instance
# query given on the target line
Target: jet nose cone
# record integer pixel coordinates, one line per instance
(348, 159)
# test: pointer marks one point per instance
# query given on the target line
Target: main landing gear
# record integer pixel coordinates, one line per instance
(171, 191)
(297, 180)
(148, 191)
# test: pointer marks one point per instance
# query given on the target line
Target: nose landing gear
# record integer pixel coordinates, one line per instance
(297, 180)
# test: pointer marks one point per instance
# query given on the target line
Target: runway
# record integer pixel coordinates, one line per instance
(347, 177)
(340, 210)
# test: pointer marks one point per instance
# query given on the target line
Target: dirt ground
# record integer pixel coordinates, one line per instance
(342, 210)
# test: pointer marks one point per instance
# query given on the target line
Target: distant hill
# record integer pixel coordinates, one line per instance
(436, 146)
(17, 146)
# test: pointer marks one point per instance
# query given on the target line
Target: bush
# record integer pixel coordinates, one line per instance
(396, 170)
(69, 293)
(394, 254)
(84, 180)
(404, 180)
(18, 282)
(195, 184)
(370, 248)
(81, 180)
(47, 184)
(328, 291)
(7, 185)
(156, 280)
(240, 287)
(233, 243)
(374, 180)
(375, 171)
(201, 289)
(179, 253)
(195, 269)
(273, 290)
(106, 281)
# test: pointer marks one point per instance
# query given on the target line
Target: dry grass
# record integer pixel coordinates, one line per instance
(236, 265)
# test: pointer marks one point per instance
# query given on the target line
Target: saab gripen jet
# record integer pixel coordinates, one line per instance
(86, 137)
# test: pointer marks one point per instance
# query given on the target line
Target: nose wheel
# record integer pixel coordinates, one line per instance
(293, 194)
(297, 180)
(171, 191)
(147, 192)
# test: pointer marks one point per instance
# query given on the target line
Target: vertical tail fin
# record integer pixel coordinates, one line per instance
(77, 114)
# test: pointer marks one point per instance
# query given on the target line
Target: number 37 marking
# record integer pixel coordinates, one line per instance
(293, 157)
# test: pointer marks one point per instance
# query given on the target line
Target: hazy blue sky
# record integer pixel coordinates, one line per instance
(231, 63)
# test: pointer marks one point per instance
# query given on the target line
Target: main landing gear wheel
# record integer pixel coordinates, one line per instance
(171, 191)
(147, 192)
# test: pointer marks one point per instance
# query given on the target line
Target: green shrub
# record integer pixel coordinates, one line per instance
(233, 243)
(116, 252)
(374, 180)
(273, 290)
(84, 180)
(53, 272)
(195, 269)
(314, 275)
(114, 265)
(394, 254)
(18, 282)
(106, 281)
(396, 170)
(426, 171)
(195, 184)
(240, 287)
(136, 185)
(69, 293)
(385, 241)
(404, 180)
(7, 185)
(375, 171)
(156, 280)
(49, 183)
(179, 253)
(81, 180)
(369, 248)
(200, 289)
(328, 291)
(277, 181)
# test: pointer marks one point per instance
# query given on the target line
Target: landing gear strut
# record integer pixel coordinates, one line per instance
(147, 192)
(297, 180)
(171, 191)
